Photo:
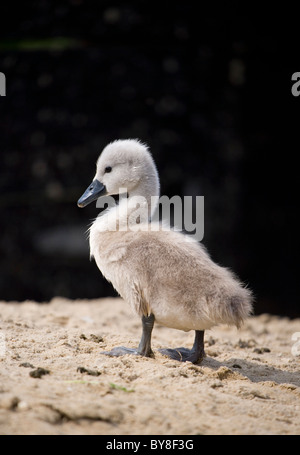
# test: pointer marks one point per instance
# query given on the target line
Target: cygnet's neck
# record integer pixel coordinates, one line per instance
(132, 212)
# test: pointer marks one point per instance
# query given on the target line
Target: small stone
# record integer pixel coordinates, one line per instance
(88, 371)
(246, 343)
(217, 384)
(26, 365)
(23, 406)
(39, 372)
(261, 350)
(96, 338)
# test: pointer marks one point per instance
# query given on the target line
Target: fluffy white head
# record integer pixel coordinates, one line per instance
(128, 164)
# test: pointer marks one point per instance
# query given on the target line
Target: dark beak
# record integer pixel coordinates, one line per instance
(95, 190)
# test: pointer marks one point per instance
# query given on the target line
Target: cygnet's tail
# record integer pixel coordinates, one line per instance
(237, 307)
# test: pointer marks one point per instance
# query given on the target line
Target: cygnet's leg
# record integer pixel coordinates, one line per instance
(194, 355)
(144, 347)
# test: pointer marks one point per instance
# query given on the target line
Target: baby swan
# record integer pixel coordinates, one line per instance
(166, 276)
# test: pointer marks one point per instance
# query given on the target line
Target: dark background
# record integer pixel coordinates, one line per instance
(208, 90)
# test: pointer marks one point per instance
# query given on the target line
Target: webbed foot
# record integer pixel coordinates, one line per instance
(183, 355)
(194, 355)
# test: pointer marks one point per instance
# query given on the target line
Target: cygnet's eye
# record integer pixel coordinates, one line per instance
(107, 169)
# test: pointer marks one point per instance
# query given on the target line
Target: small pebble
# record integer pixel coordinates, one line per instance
(88, 371)
(261, 350)
(39, 372)
(26, 365)
(96, 338)
(245, 344)
(217, 384)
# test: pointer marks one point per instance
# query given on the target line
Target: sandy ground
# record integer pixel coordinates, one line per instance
(249, 383)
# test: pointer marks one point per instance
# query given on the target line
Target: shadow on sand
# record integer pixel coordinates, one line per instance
(255, 372)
